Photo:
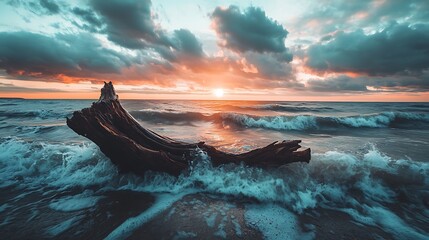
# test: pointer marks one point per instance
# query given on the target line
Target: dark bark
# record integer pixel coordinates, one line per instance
(134, 148)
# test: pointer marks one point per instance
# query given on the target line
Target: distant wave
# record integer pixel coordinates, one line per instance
(42, 114)
(420, 105)
(278, 107)
(306, 122)
(8, 104)
(168, 116)
(286, 108)
(37, 129)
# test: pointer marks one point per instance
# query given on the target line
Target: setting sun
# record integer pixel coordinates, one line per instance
(218, 92)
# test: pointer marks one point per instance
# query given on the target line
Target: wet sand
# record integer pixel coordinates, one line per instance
(34, 219)
(201, 216)
(195, 216)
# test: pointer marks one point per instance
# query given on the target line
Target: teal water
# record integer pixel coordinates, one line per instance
(369, 163)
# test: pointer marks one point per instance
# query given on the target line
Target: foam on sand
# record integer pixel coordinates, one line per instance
(163, 202)
(63, 226)
(76, 202)
(274, 222)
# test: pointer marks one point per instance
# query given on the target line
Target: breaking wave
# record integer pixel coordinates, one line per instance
(308, 122)
(37, 164)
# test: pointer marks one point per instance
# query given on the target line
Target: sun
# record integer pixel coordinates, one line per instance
(218, 92)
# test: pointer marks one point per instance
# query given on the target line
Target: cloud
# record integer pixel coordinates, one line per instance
(93, 23)
(329, 16)
(129, 23)
(250, 30)
(337, 84)
(10, 88)
(187, 43)
(257, 41)
(50, 6)
(269, 66)
(398, 48)
(185, 48)
(41, 7)
(343, 83)
(25, 53)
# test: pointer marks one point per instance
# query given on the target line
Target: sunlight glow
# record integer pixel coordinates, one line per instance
(218, 92)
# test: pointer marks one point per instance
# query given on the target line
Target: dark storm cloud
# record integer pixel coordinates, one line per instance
(50, 6)
(73, 55)
(187, 43)
(129, 23)
(41, 7)
(396, 49)
(337, 84)
(259, 42)
(184, 47)
(344, 83)
(251, 30)
(93, 23)
(269, 66)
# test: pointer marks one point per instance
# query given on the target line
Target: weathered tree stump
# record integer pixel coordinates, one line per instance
(134, 148)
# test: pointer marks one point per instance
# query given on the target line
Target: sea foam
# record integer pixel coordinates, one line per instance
(36, 164)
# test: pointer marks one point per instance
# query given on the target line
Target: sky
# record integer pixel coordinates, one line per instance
(321, 50)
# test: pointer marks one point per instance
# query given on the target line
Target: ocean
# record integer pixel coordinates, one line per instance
(368, 177)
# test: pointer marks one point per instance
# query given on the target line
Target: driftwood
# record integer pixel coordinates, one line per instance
(134, 148)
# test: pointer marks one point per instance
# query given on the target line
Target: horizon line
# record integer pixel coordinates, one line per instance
(237, 100)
